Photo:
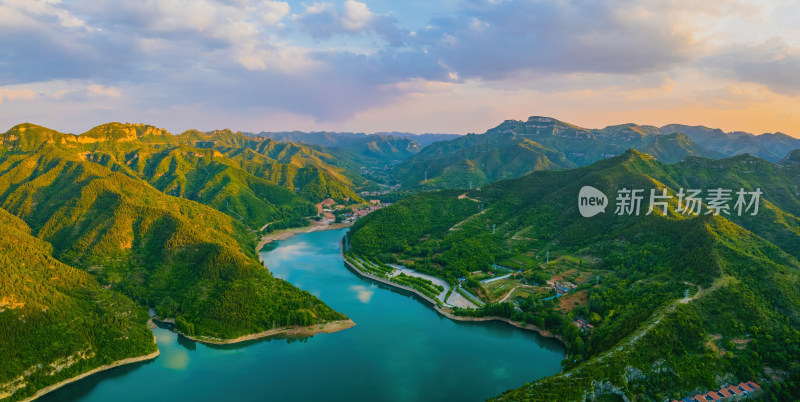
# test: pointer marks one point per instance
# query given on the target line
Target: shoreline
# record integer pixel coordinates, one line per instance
(118, 363)
(527, 327)
(293, 331)
(297, 331)
(284, 234)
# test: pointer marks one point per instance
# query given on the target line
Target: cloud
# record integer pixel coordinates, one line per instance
(363, 294)
(333, 61)
(274, 11)
(774, 63)
(491, 40)
(322, 21)
(99, 90)
(15, 94)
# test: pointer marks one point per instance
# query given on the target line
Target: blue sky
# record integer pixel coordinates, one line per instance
(420, 66)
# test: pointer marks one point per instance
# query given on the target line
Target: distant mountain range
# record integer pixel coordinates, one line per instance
(515, 148)
(342, 138)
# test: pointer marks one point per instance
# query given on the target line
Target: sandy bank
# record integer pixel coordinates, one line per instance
(81, 376)
(294, 331)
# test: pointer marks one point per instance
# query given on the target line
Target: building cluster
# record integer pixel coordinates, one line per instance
(562, 287)
(391, 189)
(726, 393)
(583, 325)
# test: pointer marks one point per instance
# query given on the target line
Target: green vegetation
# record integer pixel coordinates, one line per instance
(125, 203)
(516, 148)
(377, 269)
(255, 180)
(57, 321)
(631, 273)
(425, 286)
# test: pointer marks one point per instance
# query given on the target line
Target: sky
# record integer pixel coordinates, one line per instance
(452, 66)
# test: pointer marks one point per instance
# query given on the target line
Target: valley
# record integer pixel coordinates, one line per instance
(479, 227)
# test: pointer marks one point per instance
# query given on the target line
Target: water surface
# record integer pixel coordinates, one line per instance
(399, 350)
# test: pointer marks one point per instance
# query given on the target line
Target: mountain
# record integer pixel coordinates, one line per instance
(540, 143)
(255, 180)
(477, 159)
(367, 157)
(680, 303)
(767, 146)
(148, 220)
(579, 146)
(57, 321)
(791, 159)
(178, 256)
(342, 139)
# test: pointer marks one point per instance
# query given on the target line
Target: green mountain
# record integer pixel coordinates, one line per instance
(515, 148)
(373, 147)
(178, 256)
(792, 158)
(367, 158)
(769, 146)
(680, 303)
(477, 159)
(254, 180)
(57, 321)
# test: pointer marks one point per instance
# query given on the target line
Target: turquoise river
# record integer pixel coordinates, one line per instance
(399, 350)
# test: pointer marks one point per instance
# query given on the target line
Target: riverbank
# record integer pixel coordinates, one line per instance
(448, 314)
(118, 363)
(291, 331)
(324, 224)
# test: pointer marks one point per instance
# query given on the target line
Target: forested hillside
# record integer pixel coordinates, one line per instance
(680, 303)
(255, 180)
(178, 256)
(57, 321)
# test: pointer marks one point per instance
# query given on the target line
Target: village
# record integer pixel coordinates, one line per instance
(343, 213)
(727, 393)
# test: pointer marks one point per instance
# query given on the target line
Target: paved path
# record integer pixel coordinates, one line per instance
(490, 280)
(410, 272)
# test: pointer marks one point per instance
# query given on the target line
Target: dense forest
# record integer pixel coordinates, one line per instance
(57, 321)
(679, 303)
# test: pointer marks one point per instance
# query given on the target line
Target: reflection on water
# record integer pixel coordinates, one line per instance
(362, 293)
(399, 350)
